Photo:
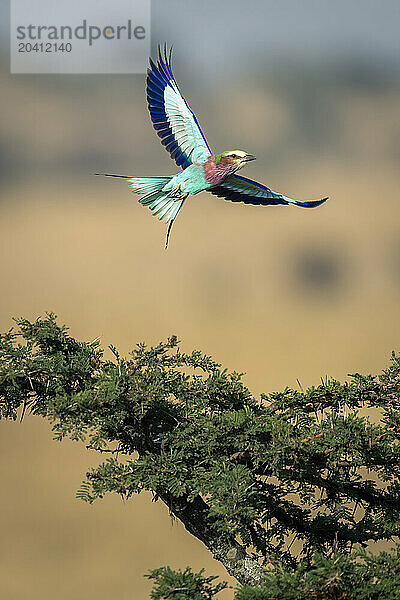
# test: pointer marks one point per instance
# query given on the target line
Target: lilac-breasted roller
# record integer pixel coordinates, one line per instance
(180, 133)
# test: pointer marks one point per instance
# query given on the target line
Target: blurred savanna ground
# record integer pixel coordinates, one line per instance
(277, 292)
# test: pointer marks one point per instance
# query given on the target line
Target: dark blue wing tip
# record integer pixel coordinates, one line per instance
(312, 203)
(164, 56)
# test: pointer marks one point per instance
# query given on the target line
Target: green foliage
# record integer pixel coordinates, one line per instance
(181, 585)
(361, 576)
(296, 477)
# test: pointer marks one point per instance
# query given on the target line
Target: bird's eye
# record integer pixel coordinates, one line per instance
(234, 155)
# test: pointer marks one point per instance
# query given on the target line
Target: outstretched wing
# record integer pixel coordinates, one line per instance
(241, 189)
(172, 117)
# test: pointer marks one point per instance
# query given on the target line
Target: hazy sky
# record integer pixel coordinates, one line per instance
(309, 30)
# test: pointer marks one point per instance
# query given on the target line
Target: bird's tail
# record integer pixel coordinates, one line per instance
(157, 195)
(154, 195)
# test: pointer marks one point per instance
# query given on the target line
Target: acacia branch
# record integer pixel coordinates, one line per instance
(197, 521)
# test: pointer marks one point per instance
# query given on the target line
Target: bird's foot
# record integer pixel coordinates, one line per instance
(176, 192)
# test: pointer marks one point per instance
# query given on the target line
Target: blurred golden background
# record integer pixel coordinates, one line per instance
(277, 292)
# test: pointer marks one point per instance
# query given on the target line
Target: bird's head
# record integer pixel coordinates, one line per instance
(234, 159)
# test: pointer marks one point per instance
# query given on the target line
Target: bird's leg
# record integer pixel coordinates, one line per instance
(168, 232)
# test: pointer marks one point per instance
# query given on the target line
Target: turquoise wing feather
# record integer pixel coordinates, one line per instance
(173, 120)
(241, 189)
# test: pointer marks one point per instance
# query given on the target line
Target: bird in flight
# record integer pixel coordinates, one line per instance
(180, 133)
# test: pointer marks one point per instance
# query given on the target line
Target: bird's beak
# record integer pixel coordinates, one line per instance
(249, 157)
